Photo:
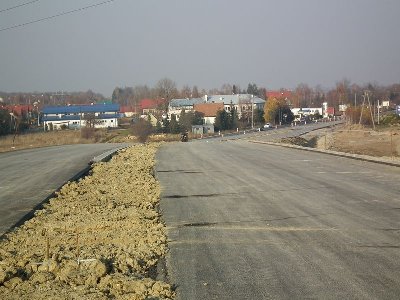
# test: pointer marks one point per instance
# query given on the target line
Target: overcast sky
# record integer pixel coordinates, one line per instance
(273, 43)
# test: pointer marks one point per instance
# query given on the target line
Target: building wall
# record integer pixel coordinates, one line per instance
(103, 123)
(203, 129)
(177, 111)
(306, 111)
(209, 120)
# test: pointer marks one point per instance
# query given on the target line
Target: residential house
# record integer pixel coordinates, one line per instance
(301, 113)
(241, 102)
(128, 110)
(75, 116)
(151, 106)
(19, 110)
(176, 106)
(281, 94)
(209, 111)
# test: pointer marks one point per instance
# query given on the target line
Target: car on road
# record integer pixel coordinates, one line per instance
(267, 125)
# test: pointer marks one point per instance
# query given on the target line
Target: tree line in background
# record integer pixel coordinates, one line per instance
(50, 98)
(167, 89)
(276, 110)
(303, 95)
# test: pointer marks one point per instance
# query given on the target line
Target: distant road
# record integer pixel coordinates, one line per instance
(273, 134)
(251, 221)
(27, 177)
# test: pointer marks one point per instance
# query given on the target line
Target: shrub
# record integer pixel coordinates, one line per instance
(87, 132)
(391, 119)
(142, 129)
(353, 115)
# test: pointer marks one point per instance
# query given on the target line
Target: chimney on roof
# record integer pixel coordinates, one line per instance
(205, 98)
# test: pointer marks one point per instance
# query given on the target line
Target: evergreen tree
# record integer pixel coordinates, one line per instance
(234, 119)
(4, 122)
(222, 120)
(165, 125)
(158, 126)
(174, 125)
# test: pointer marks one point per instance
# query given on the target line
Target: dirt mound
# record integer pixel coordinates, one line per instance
(100, 238)
(299, 141)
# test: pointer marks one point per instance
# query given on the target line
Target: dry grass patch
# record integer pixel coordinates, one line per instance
(44, 139)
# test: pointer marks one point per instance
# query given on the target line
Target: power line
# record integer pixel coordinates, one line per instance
(14, 7)
(56, 16)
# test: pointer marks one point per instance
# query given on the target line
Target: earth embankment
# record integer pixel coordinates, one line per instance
(99, 238)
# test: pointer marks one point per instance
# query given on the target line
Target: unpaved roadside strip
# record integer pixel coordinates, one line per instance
(100, 238)
(335, 153)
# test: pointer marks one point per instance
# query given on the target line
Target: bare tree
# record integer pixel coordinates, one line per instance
(303, 95)
(166, 88)
(186, 92)
(91, 120)
(195, 92)
(226, 89)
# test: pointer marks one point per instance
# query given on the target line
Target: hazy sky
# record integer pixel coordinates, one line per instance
(274, 43)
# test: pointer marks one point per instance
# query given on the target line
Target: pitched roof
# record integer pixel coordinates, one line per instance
(127, 108)
(225, 99)
(151, 103)
(234, 99)
(18, 109)
(209, 109)
(185, 102)
(278, 94)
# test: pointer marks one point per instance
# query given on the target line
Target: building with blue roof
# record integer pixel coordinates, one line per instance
(75, 116)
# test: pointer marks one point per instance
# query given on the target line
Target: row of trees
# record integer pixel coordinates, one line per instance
(12, 123)
(167, 89)
(231, 121)
(50, 98)
(344, 92)
(277, 111)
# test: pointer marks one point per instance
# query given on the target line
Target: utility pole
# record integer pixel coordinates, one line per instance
(378, 111)
(370, 110)
(252, 111)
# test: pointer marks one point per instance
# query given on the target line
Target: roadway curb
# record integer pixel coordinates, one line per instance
(106, 156)
(334, 153)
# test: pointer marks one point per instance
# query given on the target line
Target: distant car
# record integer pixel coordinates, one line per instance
(268, 125)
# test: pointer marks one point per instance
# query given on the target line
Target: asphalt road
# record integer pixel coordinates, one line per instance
(251, 221)
(28, 177)
(272, 134)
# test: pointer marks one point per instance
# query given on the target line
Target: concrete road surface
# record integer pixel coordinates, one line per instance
(28, 177)
(251, 221)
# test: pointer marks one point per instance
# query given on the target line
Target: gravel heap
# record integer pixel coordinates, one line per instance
(99, 238)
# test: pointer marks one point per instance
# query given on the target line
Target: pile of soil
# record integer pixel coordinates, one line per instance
(100, 238)
(299, 141)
